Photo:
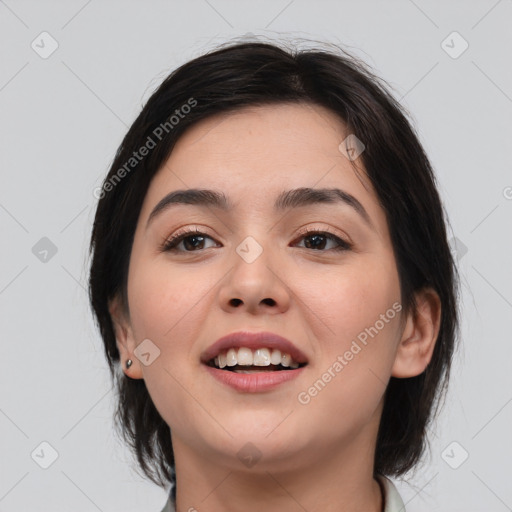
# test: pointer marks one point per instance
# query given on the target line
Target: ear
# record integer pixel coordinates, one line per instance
(125, 339)
(419, 335)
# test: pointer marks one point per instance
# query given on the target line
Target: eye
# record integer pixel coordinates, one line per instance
(194, 240)
(191, 238)
(317, 240)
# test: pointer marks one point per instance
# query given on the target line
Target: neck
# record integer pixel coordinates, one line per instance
(326, 482)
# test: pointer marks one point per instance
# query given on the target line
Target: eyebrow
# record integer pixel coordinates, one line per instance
(295, 198)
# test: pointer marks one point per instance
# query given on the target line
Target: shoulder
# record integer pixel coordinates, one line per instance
(392, 499)
(169, 506)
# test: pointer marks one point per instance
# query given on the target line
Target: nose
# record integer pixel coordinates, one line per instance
(255, 287)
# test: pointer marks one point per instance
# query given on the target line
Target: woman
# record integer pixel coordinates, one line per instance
(270, 271)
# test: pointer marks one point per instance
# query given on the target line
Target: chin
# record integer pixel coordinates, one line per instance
(270, 433)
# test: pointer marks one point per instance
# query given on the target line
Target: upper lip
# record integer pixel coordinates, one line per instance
(253, 340)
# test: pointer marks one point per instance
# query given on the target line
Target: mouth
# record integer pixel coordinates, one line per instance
(248, 361)
(254, 362)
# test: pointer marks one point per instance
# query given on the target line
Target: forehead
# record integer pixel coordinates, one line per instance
(255, 153)
(283, 133)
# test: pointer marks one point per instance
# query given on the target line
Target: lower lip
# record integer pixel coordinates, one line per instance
(254, 382)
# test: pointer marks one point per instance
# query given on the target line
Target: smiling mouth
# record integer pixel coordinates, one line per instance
(245, 360)
(241, 368)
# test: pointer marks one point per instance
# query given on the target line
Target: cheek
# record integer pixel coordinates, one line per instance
(352, 298)
(165, 307)
(359, 306)
(162, 297)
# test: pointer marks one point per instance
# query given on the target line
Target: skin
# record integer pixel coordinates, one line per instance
(316, 456)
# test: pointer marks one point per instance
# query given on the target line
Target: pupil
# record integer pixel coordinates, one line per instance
(186, 241)
(316, 237)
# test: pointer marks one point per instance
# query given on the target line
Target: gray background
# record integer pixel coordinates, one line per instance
(62, 118)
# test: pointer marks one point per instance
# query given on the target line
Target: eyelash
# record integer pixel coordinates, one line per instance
(170, 244)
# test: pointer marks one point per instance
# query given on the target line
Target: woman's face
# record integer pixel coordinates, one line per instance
(336, 299)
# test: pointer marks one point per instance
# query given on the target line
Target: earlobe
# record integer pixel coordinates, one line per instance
(419, 336)
(125, 340)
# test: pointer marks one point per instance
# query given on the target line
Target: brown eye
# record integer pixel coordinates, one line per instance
(192, 241)
(317, 240)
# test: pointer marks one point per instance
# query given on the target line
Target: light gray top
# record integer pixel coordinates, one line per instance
(392, 500)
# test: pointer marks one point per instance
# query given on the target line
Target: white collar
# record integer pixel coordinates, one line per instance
(392, 500)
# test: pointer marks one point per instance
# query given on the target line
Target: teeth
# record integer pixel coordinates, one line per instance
(260, 357)
(275, 357)
(231, 357)
(245, 356)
